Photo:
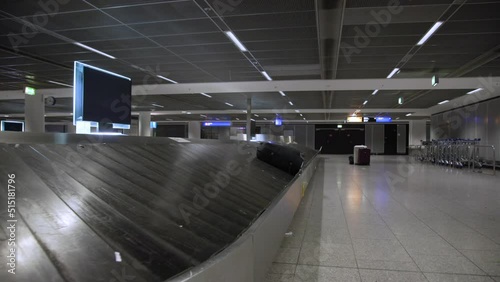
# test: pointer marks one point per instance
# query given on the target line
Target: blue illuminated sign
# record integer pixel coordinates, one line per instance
(153, 124)
(384, 119)
(217, 124)
(278, 121)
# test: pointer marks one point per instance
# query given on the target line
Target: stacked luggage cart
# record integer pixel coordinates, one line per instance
(456, 153)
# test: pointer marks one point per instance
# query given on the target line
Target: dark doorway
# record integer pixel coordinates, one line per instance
(391, 139)
(335, 140)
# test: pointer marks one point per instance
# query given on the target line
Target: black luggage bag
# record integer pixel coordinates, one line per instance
(285, 158)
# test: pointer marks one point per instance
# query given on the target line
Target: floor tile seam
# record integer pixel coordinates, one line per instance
(401, 244)
(349, 232)
(412, 213)
(474, 229)
(322, 165)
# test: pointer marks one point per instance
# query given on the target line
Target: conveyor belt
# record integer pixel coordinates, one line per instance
(78, 205)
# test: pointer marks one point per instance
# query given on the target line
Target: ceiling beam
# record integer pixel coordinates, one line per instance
(462, 83)
(254, 111)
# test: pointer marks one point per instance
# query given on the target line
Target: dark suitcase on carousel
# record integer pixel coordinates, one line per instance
(282, 157)
(364, 157)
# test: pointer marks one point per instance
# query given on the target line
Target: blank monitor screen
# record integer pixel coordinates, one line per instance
(101, 96)
(12, 125)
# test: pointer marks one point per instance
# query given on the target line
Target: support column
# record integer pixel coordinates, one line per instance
(194, 130)
(70, 128)
(34, 112)
(417, 132)
(249, 117)
(144, 124)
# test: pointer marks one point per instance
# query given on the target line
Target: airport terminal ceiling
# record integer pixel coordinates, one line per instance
(186, 42)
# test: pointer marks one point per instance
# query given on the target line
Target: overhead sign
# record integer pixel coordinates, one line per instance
(217, 124)
(29, 90)
(384, 119)
(278, 121)
(354, 119)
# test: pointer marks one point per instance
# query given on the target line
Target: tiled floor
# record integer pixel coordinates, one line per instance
(396, 220)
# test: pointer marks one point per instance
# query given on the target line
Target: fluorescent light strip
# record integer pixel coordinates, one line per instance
(297, 111)
(290, 102)
(429, 33)
(408, 114)
(230, 105)
(206, 95)
(203, 116)
(94, 50)
(266, 75)
(375, 92)
(443, 102)
(365, 102)
(159, 106)
(167, 79)
(301, 115)
(237, 118)
(256, 115)
(59, 83)
(252, 119)
(475, 91)
(393, 72)
(236, 41)
(282, 93)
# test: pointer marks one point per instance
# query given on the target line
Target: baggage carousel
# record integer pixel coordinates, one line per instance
(112, 208)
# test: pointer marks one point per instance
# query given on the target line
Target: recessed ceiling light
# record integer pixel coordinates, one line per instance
(290, 102)
(301, 115)
(236, 41)
(256, 115)
(409, 114)
(265, 118)
(393, 72)
(94, 50)
(297, 111)
(266, 75)
(475, 91)
(429, 33)
(206, 95)
(156, 105)
(375, 92)
(282, 93)
(443, 102)
(167, 79)
(230, 105)
(365, 102)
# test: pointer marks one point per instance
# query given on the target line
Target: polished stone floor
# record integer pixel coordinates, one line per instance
(396, 220)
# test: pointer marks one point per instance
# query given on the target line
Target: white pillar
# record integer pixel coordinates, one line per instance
(249, 117)
(34, 112)
(144, 124)
(417, 132)
(194, 130)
